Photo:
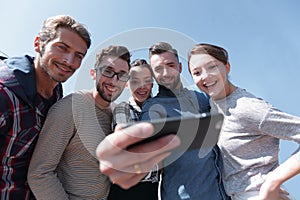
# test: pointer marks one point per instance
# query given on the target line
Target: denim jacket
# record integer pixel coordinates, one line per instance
(188, 176)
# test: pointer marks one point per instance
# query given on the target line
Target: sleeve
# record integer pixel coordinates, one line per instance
(53, 139)
(6, 118)
(5, 113)
(283, 126)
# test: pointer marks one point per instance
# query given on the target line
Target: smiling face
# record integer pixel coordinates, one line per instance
(110, 89)
(60, 57)
(166, 69)
(140, 83)
(210, 75)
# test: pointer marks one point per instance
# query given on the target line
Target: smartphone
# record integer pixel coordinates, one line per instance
(195, 131)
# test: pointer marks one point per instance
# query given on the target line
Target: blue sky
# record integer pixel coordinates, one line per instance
(262, 37)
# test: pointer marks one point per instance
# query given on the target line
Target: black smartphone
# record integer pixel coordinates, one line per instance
(195, 131)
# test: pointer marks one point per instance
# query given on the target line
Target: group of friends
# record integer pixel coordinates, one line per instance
(75, 147)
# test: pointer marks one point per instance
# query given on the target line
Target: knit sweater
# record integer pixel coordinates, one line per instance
(249, 140)
(64, 165)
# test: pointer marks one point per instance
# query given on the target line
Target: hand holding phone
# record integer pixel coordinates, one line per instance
(195, 131)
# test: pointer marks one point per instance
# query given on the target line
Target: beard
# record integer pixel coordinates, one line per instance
(46, 69)
(104, 96)
(173, 85)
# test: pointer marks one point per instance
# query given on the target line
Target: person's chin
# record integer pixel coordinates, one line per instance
(169, 86)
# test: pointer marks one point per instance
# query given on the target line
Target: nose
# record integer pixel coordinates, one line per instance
(204, 75)
(142, 85)
(114, 79)
(165, 71)
(68, 59)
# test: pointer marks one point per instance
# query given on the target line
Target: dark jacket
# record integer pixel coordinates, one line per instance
(22, 114)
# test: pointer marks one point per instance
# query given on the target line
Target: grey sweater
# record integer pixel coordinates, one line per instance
(249, 140)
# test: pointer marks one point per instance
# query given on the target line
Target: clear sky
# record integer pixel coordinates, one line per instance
(262, 37)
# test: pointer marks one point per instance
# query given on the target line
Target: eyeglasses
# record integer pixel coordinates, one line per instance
(124, 77)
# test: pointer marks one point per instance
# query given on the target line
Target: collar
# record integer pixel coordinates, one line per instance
(163, 91)
(134, 105)
(20, 78)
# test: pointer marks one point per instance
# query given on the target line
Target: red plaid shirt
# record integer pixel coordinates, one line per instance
(22, 114)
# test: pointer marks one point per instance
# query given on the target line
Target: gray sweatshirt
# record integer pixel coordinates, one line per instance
(249, 140)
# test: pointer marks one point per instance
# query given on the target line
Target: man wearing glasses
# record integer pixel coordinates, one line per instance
(64, 164)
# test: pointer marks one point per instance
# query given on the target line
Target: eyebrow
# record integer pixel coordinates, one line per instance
(68, 46)
(171, 62)
(212, 63)
(207, 64)
(112, 69)
(168, 63)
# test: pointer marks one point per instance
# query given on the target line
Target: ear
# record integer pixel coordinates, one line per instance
(227, 67)
(93, 73)
(180, 67)
(37, 44)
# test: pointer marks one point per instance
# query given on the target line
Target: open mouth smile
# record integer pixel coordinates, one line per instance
(207, 85)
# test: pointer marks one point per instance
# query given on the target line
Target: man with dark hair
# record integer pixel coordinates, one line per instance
(184, 176)
(28, 87)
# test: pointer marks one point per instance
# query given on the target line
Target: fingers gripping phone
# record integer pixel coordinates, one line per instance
(195, 131)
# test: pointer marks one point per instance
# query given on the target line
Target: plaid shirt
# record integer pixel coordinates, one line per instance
(22, 114)
(126, 112)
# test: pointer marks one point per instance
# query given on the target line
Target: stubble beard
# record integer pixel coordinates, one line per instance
(106, 98)
(174, 85)
(46, 69)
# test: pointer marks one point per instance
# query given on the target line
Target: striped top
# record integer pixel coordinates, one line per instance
(64, 165)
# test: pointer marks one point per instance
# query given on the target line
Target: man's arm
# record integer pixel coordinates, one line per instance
(127, 167)
(53, 139)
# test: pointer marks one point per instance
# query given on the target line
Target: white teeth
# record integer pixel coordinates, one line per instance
(209, 84)
(142, 93)
(110, 88)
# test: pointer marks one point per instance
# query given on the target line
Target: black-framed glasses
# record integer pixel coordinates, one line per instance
(122, 76)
